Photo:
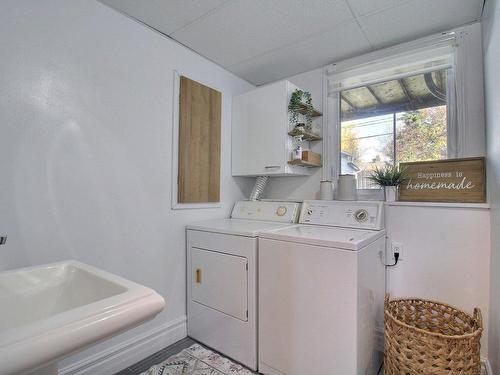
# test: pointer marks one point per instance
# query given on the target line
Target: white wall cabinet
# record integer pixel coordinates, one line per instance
(261, 145)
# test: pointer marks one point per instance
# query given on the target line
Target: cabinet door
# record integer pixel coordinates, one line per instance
(259, 132)
(220, 282)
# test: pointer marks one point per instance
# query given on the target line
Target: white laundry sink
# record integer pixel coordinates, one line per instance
(50, 311)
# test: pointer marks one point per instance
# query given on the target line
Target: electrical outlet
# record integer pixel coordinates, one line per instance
(397, 248)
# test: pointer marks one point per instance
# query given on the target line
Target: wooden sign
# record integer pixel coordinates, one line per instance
(452, 180)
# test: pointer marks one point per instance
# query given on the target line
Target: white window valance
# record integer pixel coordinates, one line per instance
(393, 63)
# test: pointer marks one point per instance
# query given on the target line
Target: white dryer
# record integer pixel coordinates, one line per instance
(321, 291)
(222, 276)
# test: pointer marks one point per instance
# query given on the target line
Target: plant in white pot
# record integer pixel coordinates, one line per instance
(388, 177)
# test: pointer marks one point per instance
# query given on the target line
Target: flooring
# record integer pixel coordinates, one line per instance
(163, 354)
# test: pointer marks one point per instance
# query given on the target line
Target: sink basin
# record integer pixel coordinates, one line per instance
(50, 311)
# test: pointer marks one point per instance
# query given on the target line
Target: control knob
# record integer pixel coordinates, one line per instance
(361, 216)
(281, 210)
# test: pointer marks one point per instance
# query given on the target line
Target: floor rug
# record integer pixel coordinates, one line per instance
(197, 360)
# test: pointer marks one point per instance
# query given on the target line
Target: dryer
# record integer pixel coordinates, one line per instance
(321, 291)
(222, 260)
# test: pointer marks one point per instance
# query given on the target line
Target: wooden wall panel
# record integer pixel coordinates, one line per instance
(199, 143)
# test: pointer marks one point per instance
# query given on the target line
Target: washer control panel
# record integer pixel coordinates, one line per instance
(284, 212)
(347, 214)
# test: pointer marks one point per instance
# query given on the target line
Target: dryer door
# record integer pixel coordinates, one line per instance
(220, 281)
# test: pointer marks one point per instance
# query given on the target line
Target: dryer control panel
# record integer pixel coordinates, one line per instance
(346, 214)
(283, 212)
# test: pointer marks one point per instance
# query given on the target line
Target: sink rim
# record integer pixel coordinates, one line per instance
(133, 290)
(123, 310)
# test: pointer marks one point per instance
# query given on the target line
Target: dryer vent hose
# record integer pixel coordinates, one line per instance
(258, 188)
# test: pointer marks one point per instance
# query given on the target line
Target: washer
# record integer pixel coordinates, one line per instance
(222, 276)
(321, 291)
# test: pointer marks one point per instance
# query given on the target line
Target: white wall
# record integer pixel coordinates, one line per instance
(446, 255)
(491, 37)
(85, 146)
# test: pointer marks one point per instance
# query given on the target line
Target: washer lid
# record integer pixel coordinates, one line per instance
(339, 238)
(238, 227)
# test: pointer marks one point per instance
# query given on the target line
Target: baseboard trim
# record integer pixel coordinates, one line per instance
(131, 351)
(379, 339)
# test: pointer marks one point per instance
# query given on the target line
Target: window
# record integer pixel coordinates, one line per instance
(419, 100)
(398, 120)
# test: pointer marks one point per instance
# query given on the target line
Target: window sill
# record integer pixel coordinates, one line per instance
(480, 206)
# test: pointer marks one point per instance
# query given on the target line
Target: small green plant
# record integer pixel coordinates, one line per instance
(389, 175)
(300, 100)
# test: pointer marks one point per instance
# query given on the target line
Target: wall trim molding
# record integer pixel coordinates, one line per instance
(131, 351)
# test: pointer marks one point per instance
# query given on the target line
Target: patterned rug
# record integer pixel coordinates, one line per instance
(197, 360)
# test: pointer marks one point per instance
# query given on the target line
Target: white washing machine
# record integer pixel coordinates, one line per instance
(321, 291)
(222, 276)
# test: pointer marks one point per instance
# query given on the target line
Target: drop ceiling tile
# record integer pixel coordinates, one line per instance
(243, 29)
(416, 19)
(165, 15)
(337, 44)
(362, 7)
(146, 11)
(179, 13)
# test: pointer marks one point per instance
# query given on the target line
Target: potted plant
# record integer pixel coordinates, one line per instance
(301, 102)
(388, 177)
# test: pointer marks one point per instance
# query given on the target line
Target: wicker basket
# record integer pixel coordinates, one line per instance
(430, 338)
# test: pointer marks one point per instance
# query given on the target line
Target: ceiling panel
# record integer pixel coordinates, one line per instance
(340, 43)
(182, 12)
(416, 19)
(363, 7)
(165, 15)
(243, 29)
(265, 40)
